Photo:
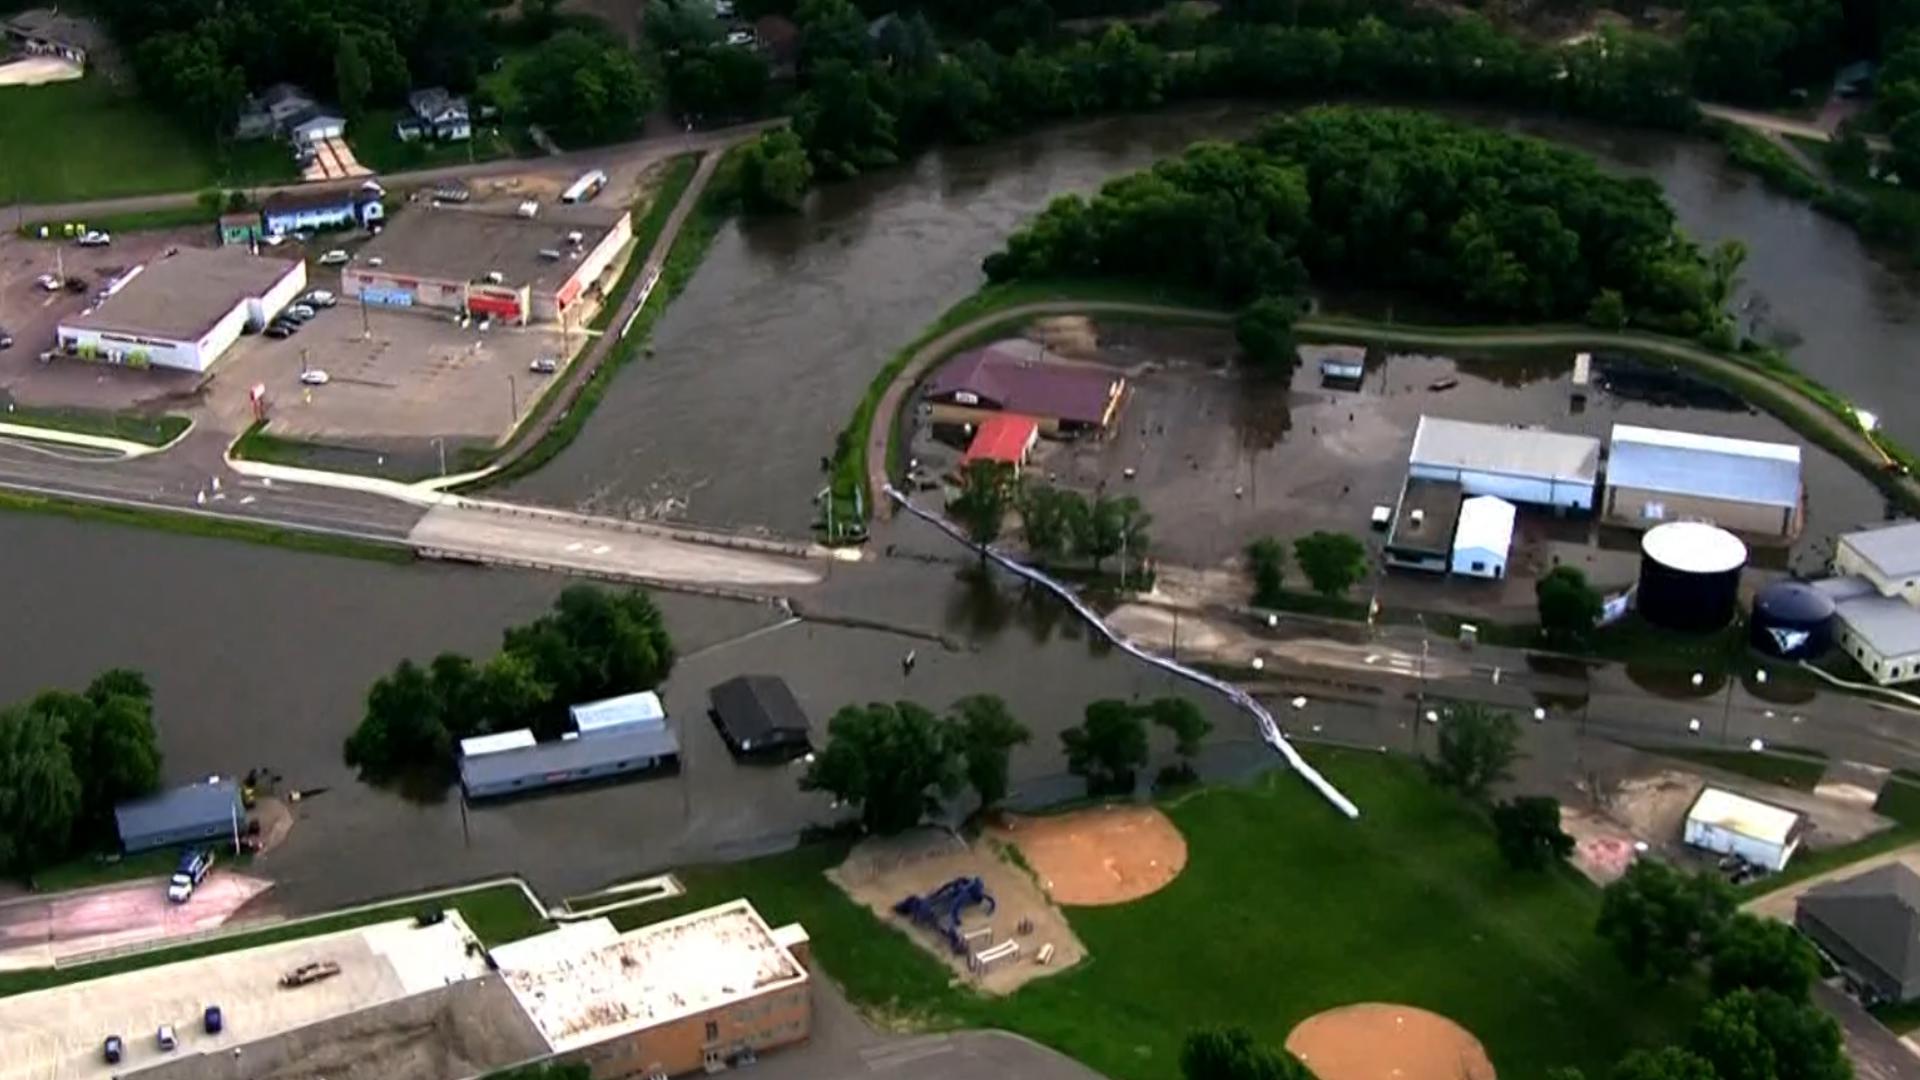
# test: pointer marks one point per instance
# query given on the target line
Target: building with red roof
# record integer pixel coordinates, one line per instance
(1007, 437)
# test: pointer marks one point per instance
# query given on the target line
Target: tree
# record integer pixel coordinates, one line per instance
(775, 173)
(831, 32)
(1528, 832)
(402, 727)
(1111, 526)
(987, 733)
(892, 762)
(40, 794)
(986, 490)
(1331, 561)
(717, 81)
(1476, 749)
(1660, 920)
(1666, 1063)
(1050, 519)
(1268, 558)
(1264, 330)
(596, 644)
(387, 72)
(1760, 1035)
(352, 78)
(583, 89)
(110, 730)
(1107, 748)
(1183, 720)
(1608, 311)
(1232, 1054)
(844, 126)
(672, 26)
(1569, 607)
(1761, 954)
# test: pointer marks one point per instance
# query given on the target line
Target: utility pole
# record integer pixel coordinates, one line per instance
(513, 400)
(441, 443)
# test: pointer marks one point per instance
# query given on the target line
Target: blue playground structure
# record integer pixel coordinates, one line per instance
(940, 909)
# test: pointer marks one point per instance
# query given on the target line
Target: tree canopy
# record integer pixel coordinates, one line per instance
(986, 493)
(985, 733)
(891, 762)
(1333, 562)
(1233, 1054)
(1476, 749)
(1660, 920)
(66, 760)
(584, 88)
(1528, 832)
(1569, 607)
(1762, 954)
(1108, 748)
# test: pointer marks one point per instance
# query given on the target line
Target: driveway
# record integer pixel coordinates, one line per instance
(1779, 903)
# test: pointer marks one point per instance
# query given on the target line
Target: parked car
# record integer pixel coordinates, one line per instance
(336, 257)
(95, 238)
(545, 365)
(6, 339)
(273, 241)
(212, 1020)
(282, 330)
(113, 1049)
(165, 1037)
(299, 313)
(49, 282)
(486, 324)
(315, 377)
(319, 298)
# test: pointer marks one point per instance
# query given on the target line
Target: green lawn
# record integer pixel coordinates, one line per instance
(1285, 909)
(199, 525)
(497, 914)
(1788, 770)
(143, 428)
(88, 139)
(379, 149)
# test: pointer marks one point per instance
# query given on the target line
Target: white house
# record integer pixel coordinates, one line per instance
(318, 127)
(1729, 824)
(1522, 465)
(1483, 537)
(434, 112)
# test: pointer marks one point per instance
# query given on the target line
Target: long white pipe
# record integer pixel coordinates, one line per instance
(1269, 728)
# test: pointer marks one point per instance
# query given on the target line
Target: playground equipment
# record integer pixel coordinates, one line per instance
(982, 962)
(940, 910)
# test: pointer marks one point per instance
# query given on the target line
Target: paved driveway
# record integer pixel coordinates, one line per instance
(1779, 903)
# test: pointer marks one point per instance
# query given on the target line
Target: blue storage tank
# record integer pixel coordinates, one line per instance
(1792, 620)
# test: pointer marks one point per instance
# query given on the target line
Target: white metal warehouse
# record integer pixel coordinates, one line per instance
(1522, 465)
(1484, 537)
(184, 310)
(1729, 824)
(1656, 475)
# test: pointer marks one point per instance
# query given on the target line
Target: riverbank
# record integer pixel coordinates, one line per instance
(309, 540)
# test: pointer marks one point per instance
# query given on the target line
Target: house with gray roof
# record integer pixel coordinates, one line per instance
(1870, 925)
(1022, 377)
(208, 810)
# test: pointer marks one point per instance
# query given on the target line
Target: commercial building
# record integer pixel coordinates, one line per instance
(1021, 377)
(185, 310)
(1483, 537)
(294, 211)
(758, 715)
(1423, 525)
(208, 810)
(1869, 924)
(490, 263)
(1521, 465)
(1008, 438)
(636, 748)
(1749, 487)
(1876, 595)
(700, 992)
(1729, 824)
(616, 714)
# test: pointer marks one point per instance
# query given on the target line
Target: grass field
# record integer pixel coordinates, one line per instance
(88, 139)
(188, 524)
(1284, 910)
(147, 430)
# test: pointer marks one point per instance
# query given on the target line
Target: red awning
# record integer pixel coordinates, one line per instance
(1003, 437)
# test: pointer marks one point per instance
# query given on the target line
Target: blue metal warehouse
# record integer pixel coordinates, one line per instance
(638, 748)
(204, 811)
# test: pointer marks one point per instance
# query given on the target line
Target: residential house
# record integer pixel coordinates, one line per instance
(1869, 924)
(239, 228)
(277, 110)
(295, 211)
(435, 113)
(49, 32)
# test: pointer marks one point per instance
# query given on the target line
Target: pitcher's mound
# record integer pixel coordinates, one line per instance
(1105, 856)
(1376, 1041)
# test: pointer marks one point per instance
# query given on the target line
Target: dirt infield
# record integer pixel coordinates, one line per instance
(1374, 1040)
(1108, 855)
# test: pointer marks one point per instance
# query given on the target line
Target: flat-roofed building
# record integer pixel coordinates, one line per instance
(621, 713)
(1483, 537)
(1881, 633)
(1521, 465)
(185, 310)
(1655, 475)
(573, 759)
(1423, 522)
(518, 739)
(1730, 824)
(1888, 558)
(207, 810)
(699, 992)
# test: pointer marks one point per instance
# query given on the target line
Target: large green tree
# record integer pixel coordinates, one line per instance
(1476, 749)
(583, 89)
(1050, 519)
(1233, 1054)
(40, 790)
(1183, 720)
(1569, 607)
(1267, 559)
(1666, 1063)
(1332, 561)
(846, 128)
(775, 173)
(891, 762)
(597, 643)
(1108, 748)
(1760, 1035)
(986, 493)
(986, 732)
(1661, 921)
(1264, 330)
(1528, 832)
(1761, 954)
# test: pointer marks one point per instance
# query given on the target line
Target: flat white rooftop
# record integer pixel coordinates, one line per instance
(586, 983)
(1742, 816)
(1504, 450)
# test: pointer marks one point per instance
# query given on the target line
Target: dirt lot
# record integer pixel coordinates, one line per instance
(56, 1034)
(879, 872)
(38, 931)
(1108, 855)
(32, 315)
(1370, 1041)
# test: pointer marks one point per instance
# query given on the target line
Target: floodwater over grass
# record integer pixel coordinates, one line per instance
(1285, 909)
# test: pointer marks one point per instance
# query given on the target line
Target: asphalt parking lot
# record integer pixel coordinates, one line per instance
(407, 375)
(57, 1034)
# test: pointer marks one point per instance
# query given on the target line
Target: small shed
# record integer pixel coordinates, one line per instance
(1343, 364)
(496, 742)
(239, 228)
(1483, 537)
(1004, 437)
(204, 811)
(758, 715)
(628, 712)
(1729, 824)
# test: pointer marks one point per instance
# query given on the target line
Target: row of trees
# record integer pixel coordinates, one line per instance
(66, 760)
(1502, 224)
(1056, 524)
(596, 643)
(896, 762)
(1333, 563)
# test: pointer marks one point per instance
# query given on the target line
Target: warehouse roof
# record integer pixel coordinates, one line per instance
(454, 243)
(1893, 550)
(563, 755)
(1889, 626)
(616, 713)
(1425, 519)
(1877, 913)
(1709, 466)
(496, 742)
(187, 806)
(1019, 376)
(1742, 816)
(1486, 522)
(182, 296)
(585, 983)
(1506, 451)
(759, 712)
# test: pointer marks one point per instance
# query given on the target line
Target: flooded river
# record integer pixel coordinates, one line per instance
(758, 364)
